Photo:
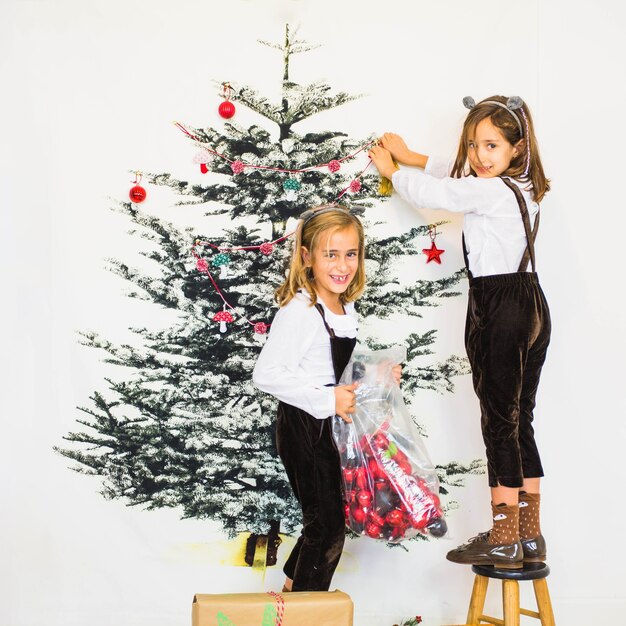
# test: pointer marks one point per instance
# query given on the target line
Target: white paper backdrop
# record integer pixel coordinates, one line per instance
(89, 91)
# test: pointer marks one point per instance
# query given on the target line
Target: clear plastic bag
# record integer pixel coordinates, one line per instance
(390, 485)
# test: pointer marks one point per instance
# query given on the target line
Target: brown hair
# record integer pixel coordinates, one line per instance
(326, 219)
(503, 120)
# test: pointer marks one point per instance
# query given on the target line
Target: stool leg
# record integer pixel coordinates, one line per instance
(544, 604)
(477, 602)
(510, 602)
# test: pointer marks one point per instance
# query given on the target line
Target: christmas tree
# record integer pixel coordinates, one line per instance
(187, 428)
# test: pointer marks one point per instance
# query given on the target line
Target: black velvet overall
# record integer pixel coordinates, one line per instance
(307, 449)
(507, 333)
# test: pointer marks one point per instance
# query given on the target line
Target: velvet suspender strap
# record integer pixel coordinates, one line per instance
(320, 308)
(529, 253)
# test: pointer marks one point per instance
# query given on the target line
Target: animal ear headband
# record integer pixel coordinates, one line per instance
(514, 103)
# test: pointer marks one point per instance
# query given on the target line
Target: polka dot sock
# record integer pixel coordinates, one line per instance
(505, 523)
(529, 527)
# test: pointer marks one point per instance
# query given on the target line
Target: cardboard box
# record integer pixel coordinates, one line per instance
(299, 608)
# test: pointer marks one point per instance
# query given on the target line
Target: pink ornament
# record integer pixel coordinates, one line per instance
(355, 186)
(202, 265)
(203, 156)
(237, 167)
(260, 328)
(266, 248)
(334, 166)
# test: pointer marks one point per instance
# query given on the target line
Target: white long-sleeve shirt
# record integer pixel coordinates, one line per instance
(296, 363)
(492, 223)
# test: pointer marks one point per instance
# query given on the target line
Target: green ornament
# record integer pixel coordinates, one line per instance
(220, 259)
(291, 184)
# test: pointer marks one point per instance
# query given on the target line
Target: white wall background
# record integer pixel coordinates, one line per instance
(89, 90)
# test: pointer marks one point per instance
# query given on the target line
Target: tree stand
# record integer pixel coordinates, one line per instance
(537, 572)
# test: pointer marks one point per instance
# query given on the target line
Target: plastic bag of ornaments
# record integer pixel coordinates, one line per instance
(390, 485)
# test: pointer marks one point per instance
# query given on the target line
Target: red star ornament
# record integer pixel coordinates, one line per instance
(433, 253)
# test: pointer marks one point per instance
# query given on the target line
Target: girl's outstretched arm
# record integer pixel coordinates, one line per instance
(400, 151)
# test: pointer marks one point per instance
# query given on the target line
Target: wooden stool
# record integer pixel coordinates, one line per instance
(537, 572)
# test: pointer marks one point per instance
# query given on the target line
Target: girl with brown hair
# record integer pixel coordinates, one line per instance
(496, 181)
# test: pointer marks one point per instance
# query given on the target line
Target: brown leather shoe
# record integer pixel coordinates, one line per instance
(534, 549)
(478, 551)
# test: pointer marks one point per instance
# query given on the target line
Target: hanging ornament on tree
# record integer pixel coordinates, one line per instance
(237, 167)
(221, 260)
(433, 253)
(223, 317)
(227, 108)
(137, 193)
(203, 158)
(291, 187)
(260, 328)
(334, 166)
(355, 186)
(266, 248)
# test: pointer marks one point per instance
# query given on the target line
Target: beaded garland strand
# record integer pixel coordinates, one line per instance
(291, 185)
(221, 260)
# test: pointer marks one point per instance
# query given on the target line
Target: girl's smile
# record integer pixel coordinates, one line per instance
(334, 263)
(489, 152)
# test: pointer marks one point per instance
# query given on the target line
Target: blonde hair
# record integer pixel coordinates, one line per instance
(505, 121)
(326, 219)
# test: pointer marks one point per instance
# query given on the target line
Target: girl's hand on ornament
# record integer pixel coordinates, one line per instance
(396, 370)
(397, 147)
(381, 158)
(345, 401)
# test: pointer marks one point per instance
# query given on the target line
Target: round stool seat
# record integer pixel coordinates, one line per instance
(530, 571)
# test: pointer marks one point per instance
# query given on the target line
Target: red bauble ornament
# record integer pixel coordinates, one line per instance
(373, 530)
(364, 498)
(227, 109)
(394, 517)
(137, 194)
(202, 265)
(433, 253)
(349, 474)
(334, 166)
(376, 471)
(361, 478)
(375, 518)
(358, 515)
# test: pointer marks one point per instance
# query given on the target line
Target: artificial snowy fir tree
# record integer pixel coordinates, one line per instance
(187, 428)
